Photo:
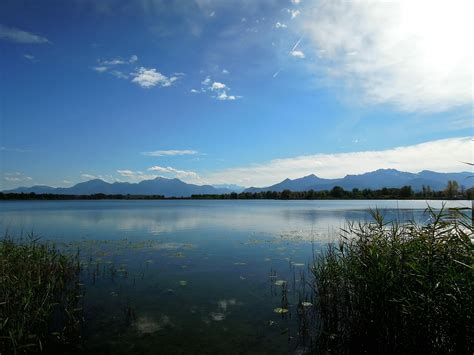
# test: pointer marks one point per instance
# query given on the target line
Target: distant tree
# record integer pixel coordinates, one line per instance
(451, 189)
(406, 192)
(470, 193)
(285, 194)
(337, 192)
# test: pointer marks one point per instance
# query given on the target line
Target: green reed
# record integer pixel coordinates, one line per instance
(39, 297)
(398, 288)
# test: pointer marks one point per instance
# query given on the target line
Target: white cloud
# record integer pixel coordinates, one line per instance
(225, 71)
(30, 57)
(136, 176)
(218, 86)
(133, 59)
(220, 90)
(16, 177)
(119, 74)
(414, 54)
(116, 61)
(295, 2)
(100, 69)
(178, 173)
(16, 35)
(194, 91)
(297, 54)
(223, 96)
(280, 25)
(294, 13)
(148, 78)
(446, 155)
(172, 152)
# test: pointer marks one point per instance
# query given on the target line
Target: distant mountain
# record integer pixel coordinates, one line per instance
(177, 188)
(301, 184)
(372, 180)
(230, 187)
(158, 186)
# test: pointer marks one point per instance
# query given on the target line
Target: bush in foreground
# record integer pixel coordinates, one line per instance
(39, 293)
(389, 288)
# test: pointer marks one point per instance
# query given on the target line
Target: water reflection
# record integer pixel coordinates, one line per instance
(195, 276)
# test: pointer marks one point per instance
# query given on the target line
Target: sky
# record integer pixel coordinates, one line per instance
(232, 92)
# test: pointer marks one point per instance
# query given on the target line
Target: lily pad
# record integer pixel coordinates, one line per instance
(183, 283)
(280, 282)
(306, 304)
(280, 310)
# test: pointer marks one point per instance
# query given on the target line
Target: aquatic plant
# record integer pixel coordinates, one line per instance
(39, 297)
(391, 288)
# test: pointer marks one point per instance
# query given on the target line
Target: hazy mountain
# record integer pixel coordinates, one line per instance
(372, 180)
(177, 188)
(301, 184)
(230, 187)
(158, 186)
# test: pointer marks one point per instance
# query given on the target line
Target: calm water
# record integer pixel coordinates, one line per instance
(194, 276)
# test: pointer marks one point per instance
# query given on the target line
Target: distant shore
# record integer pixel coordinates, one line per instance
(337, 193)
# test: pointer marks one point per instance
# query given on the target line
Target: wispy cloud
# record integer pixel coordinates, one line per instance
(175, 172)
(144, 77)
(136, 176)
(294, 13)
(12, 34)
(14, 150)
(297, 54)
(30, 57)
(415, 55)
(219, 89)
(100, 69)
(280, 25)
(150, 77)
(444, 155)
(118, 61)
(172, 152)
(16, 177)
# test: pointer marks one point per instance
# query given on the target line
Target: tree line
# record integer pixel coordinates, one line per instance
(452, 191)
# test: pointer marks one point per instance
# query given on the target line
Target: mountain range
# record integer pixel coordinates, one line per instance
(373, 180)
(177, 188)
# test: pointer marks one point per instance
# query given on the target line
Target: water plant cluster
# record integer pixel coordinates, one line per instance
(40, 297)
(391, 288)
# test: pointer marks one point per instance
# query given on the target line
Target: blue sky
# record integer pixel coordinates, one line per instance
(241, 92)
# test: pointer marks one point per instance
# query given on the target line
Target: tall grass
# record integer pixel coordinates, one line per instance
(39, 296)
(390, 288)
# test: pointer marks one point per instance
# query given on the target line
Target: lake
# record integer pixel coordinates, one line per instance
(193, 276)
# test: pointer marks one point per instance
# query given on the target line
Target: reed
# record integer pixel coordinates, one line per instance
(391, 288)
(39, 297)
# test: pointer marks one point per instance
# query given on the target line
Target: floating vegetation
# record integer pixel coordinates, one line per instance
(240, 263)
(279, 282)
(173, 246)
(223, 304)
(183, 283)
(280, 310)
(217, 316)
(297, 264)
(177, 255)
(147, 325)
(306, 304)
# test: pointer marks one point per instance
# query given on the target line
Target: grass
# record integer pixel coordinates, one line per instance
(390, 288)
(39, 297)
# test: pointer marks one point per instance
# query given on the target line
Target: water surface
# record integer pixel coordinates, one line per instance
(193, 276)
